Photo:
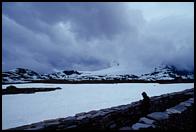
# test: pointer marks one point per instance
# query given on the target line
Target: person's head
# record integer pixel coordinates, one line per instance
(144, 94)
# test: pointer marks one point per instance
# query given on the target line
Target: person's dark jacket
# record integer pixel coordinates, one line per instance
(145, 105)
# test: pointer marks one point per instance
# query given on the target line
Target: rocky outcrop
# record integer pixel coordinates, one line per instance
(179, 117)
(15, 90)
(124, 117)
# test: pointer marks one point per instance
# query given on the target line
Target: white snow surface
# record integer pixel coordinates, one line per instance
(22, 109)
(114, 70)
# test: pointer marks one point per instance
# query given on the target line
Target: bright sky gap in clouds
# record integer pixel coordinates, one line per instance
(90, 36)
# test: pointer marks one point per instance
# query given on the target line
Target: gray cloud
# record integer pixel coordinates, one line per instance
(89, 36)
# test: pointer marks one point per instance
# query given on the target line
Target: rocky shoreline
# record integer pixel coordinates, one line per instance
(15, 90)
(125, 116)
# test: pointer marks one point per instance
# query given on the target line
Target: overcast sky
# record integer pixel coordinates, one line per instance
(48, 37)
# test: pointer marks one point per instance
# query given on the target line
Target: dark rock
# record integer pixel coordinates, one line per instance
(80, 114)
(83, 117)
(186, 104)
(138, 126)
(11, 87)
(48, 123)
(190, 101)
(146, 121)
(68, 121)
(112, 126)
(14, 90)
(71, 127)
(71, 72)
(158, 116)
(92, 112)
(98, 114)
(176, 110)
(127, 128)
(69, 118)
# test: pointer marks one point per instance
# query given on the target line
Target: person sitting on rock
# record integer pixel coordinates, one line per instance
(145, 105)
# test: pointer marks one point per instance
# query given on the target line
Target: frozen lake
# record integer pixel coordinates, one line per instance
(22, 109)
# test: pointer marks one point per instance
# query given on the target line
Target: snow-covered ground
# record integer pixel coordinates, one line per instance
(22, 109)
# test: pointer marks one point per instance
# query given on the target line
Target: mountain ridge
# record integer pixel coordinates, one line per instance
(163, 72)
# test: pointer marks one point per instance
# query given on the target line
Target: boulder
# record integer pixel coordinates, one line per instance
(138, 126)
(176, 109)
(186, 104)
(191, 100)
(92, 112)
(71, 120)
(146, 121)
(36, 126)
(99, 113)
(71, 127)
(80, 114)
(158, 116)
(52, 122)
(83, 116)
(11, 87)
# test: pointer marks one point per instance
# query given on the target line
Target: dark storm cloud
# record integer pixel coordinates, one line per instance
(87, 19)
(89, 36)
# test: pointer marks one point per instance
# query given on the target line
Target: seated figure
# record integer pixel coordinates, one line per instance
(145, 105)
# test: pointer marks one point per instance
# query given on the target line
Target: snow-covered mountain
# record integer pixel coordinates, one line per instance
(63, 75)
(166, 72)
(163, 72)
(23, 75)
(20, 74)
